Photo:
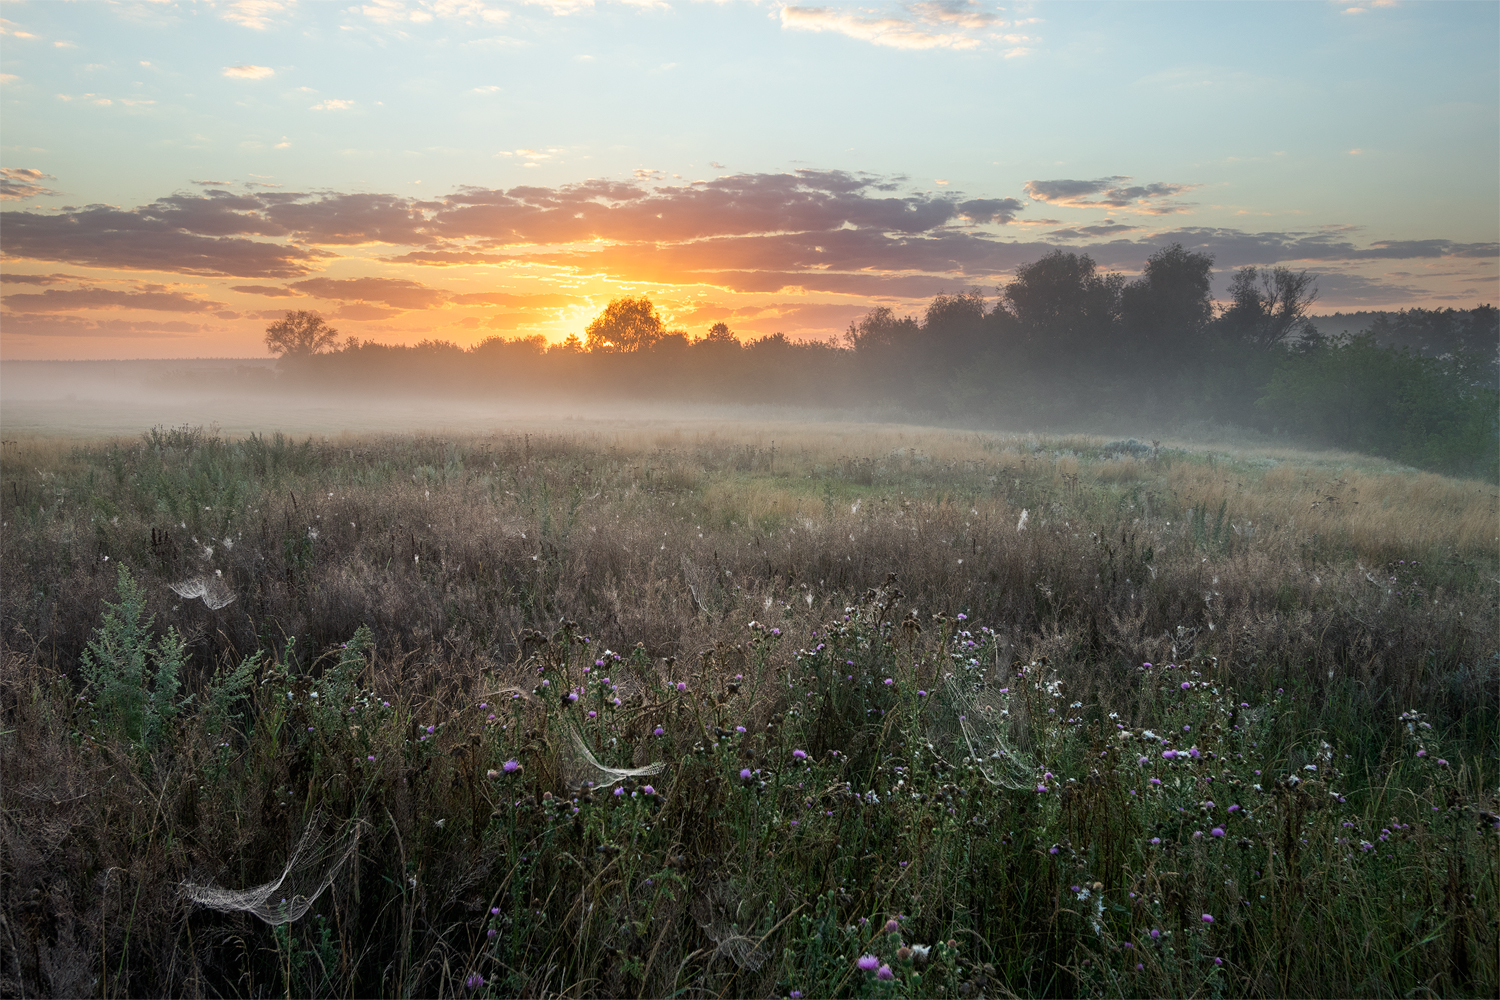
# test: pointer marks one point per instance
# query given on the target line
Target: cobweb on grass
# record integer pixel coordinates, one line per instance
(714, 912)
(580, 766)
(212, 589)
(312, 868)
(980, 722)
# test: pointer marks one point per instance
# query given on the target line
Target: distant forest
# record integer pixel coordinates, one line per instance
(1066, 347)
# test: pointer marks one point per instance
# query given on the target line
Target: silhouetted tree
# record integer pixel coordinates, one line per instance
(300, 334)
(719, 333)
(1061, 304)
(625, 325)
(955, 326)
(1268, 304)
(1167, 310)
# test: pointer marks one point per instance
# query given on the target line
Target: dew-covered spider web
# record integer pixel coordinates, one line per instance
(313, 866)
(211, 589)
(977, 721)
(580, 766)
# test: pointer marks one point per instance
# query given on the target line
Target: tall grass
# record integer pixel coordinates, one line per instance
(1323, 631)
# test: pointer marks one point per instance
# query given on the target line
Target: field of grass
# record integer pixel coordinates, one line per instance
(744, 710)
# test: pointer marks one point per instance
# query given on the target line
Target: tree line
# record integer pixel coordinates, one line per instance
(1066, 346)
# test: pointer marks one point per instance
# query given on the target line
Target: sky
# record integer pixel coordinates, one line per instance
(175, 175)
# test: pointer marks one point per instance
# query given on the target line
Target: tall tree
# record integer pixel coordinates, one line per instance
(1268, 304)
(1167, 309)
(300, 334)
(1061, 303)
(625, 325)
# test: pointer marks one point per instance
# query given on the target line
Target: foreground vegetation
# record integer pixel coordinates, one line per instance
(934, 714)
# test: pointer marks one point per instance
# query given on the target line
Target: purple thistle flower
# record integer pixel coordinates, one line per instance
(869, 963)
(1168, 754)
(1208, 918)
(891, 926)
(884, 974)
(744, 774)
(1155, 934)
(491, 933)
(1217, 831)
(682, 685)
(475, 981)
(511, 766)
(658, 731)
(649, 790)
(799, 754)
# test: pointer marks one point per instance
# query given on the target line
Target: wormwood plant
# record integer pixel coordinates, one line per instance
(133, 679)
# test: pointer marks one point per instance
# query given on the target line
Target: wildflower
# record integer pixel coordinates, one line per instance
(682, 685)
(658, 731)
(492, 933)
(884, 974)
(891, 927)
(619, 792)
(512, 766)
(1155, 841)
(868, 963)
(371, 758)
(1146, 665)
(1442, 762)
(1041, 788)
(744, 774)
(648, 790)
(1144, 760)
(431, 730)
(1187, 685)
(1168, 754)
(1208, 918)
(494, 911)
(889, 682)
(593, 714)
(1218, 961)
(1155, 781)
(475, 981)
(739, 729)
(1217, 831)
(1155, 934)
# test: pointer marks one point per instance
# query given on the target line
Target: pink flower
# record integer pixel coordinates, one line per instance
(868, 963)
(1208, 918)
(885, 974)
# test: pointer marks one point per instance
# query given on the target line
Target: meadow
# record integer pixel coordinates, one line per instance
(721, 708)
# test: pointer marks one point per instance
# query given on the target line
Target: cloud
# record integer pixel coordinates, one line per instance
(1109, 192)
(818, 233)
(274, 291)
(48, 326)
(153, 297)
(17, 183)
(256, 14)
(248, 72)
(361, 311)
(332, 104)
(943, 24)
(397, 293)
(8, 278)
(153, 238)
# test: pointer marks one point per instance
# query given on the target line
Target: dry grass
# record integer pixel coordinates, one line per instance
(451, 548)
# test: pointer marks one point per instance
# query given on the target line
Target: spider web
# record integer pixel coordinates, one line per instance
(313, 866)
